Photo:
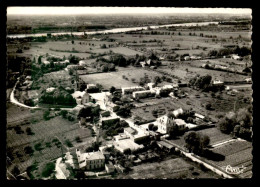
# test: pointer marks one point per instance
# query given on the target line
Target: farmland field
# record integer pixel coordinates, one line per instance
(115, 78)
(237, 154)
(214, 134)
(44, 132)
(169, 169)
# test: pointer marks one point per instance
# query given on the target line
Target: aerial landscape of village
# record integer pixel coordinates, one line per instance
(128, 93)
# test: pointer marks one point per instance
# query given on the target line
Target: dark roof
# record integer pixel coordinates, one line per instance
(165, 144)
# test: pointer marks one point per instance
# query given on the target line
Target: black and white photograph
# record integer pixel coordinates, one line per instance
(106, 92)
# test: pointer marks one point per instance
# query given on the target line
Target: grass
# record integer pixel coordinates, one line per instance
(115, 78)
(170, 169)
(236, 154)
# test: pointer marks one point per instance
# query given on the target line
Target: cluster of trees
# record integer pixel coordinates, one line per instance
(73, 59)
(59, 96)
(196, 142)
(89, 111)
(122, 111)
(238, 124)
(114, 127)
(103, 65)
(94, 147)
(241, 51)
(201, 82)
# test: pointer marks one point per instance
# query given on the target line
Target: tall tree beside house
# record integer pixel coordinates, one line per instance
(196, 142)
(39, 59)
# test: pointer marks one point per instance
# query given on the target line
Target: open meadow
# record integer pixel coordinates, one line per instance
(116, 78)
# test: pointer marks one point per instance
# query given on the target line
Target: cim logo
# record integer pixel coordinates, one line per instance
(234, 170)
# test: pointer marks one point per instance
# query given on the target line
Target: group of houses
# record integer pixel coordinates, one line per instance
(139, 92)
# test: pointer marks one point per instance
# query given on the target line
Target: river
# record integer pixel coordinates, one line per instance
(116, 30)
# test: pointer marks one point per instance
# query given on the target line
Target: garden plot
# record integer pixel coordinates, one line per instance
(169, 169)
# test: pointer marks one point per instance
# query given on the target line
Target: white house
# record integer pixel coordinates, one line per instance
(177, 112)
(46, 62)
(129, 90)
(151, 85)
(186, 58)
(91, 160)
(180, 123)
(248, 80)
(142, 94)
(164, 123)
(82, 63)
(217, 83)
(91, 86)
(236, 57)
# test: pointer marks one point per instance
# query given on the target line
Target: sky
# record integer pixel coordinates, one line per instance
(119, 10)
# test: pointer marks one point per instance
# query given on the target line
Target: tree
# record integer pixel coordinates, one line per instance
(38, 147)
(226, 125)
(46, 115)
(150, 126)
(205, 140)
(112, 89)
(208, 106)
(15, 171)
(64, 113)
(192, 141)
(29, 131)
(39, 59)
(48, 169)
(173, 131)
(78, 139)
(28, 150)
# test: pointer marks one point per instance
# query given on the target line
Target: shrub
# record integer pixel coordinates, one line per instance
(48, 169)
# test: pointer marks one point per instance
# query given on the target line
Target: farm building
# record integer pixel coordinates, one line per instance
(130, 90)
(91, 86)
(82, 63)
(236, 57)
(121, 136)
(217, 83)
(248, 80)
(165, 145)
(49, 90)
(110, 168)
(75, 67)
(180, 123)
(164, 123)
(177, 112)
(91, 160)
(199, 116)
(46, 62)
(130, 131)
(186, 58)
(151, 85)
(124, 144)
(168, 88)
(143, 94)
(190, 126)
(143, 64)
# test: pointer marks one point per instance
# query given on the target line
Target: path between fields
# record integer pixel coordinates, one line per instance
(225, 142)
